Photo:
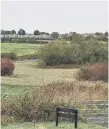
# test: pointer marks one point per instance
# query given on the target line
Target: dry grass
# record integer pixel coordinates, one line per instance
(78, 91)
(28, 74)
(60, 89)
(7, 120)
(32, 106)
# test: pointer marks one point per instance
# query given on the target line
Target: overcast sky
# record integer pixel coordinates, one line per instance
(62, 17)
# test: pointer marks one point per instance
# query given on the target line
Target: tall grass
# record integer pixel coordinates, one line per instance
(39, 104)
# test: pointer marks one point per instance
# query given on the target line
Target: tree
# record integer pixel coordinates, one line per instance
(21, 32)
(44, 33)
(106, 33)
(36, 32)
(98, 34)
(7, 32)
(13, 32)
(2, 32)
(72, 33)
(55, 34)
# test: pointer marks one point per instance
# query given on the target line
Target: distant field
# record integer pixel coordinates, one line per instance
(51, 126)
(20, 48)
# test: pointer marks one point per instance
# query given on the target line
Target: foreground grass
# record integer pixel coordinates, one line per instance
(51, 126)
(20, 49)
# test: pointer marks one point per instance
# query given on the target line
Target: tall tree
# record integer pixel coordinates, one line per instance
(36, 32)
(7, 32)
(106, 33)
(21, 32)
(2, 32)
(55, 34)
(13, 32)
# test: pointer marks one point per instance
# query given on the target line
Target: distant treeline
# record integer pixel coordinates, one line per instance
(22, 37)
(25, 38)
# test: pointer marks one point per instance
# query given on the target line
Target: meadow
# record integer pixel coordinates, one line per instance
(23, 79)
(58, 85)
(21, 49)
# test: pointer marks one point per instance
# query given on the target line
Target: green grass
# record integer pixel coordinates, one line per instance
(13, 90)
(20, 49)
(51, 126)
(26, 73)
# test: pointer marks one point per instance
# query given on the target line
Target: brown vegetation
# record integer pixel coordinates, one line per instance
(7, 67)
(37, 103)
(97, 71)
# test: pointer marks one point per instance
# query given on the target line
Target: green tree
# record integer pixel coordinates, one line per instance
(36, 32)
(106, 33)
(55, 35)
(2, 32)
(21, 32)
(13, 32)
(7, 32)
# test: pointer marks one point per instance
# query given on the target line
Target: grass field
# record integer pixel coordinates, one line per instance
(27, 75)
(20, 49)
(51, 126)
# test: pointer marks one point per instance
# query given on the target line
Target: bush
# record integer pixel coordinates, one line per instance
(11, 55)
(96, 71)
(76, 53)
(38, 103)
(7, 67)
(32, 106)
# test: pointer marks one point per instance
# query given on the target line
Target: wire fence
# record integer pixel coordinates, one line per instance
(94, 112)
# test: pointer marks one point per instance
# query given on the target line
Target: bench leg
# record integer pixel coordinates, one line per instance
(56, 119)
(76, 119)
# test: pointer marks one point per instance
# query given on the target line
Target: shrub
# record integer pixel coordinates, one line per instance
(31, 106)
(10, 55)
(96, 71)
(7, 67)
(57, 53)
(38, 103)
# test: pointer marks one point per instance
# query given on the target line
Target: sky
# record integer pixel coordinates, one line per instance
(62, 17)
